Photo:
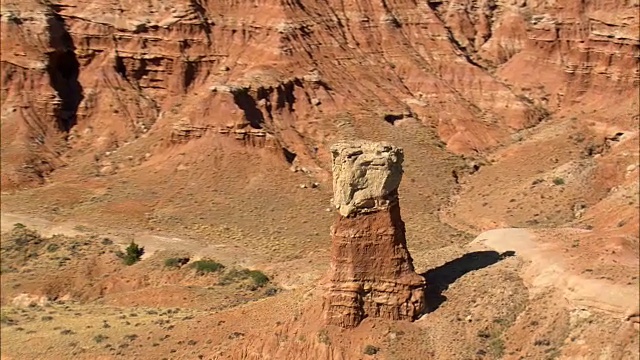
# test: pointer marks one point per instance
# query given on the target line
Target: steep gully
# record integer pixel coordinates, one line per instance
(63, 69)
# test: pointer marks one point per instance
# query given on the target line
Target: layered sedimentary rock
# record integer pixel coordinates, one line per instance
(371, 271)
(474, 71)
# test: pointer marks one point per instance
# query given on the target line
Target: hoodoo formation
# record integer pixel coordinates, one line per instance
(371, 270)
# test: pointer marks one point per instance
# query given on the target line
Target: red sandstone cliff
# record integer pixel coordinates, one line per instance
(82, 78)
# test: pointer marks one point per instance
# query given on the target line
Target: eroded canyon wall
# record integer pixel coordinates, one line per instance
(79, 78)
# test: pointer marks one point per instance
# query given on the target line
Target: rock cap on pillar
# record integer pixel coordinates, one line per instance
(366, 176)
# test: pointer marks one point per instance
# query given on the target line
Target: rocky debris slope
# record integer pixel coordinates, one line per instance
(589, 281)
(371, 271)
(550, 267)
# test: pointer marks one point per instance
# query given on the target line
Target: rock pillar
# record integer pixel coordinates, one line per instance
(371, 270)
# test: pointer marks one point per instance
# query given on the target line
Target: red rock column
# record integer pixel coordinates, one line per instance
(371, 270)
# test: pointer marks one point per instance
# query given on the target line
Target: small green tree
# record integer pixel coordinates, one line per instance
(133, 254)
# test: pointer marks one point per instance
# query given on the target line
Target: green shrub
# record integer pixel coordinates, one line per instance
(19, 226)
(271, 291)
(497, 347)
(100, 338)
(81, 228)
(558, 181)
(133, 254)
(323, 337)
(206, 266)
(130, 337)
(52, 247)
(232, 276)
(4, 319)
(258, 277)
(176, 262)
(371, 350)
(22, 236)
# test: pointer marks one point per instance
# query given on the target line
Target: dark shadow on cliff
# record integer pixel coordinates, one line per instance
(439, 279)
(63, 69)
(247, 103)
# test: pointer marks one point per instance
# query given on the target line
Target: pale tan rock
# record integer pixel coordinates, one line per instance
(26, 300)
(366, 176)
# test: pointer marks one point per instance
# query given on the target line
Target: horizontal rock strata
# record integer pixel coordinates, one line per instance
(371, 271)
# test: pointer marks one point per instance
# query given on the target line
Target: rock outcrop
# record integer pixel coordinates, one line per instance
(371, 271)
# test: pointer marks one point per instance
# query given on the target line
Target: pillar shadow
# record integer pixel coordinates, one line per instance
(439, 279)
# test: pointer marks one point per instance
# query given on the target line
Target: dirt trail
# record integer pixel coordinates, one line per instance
(151, 242)
(547, 269)
(228, 254)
